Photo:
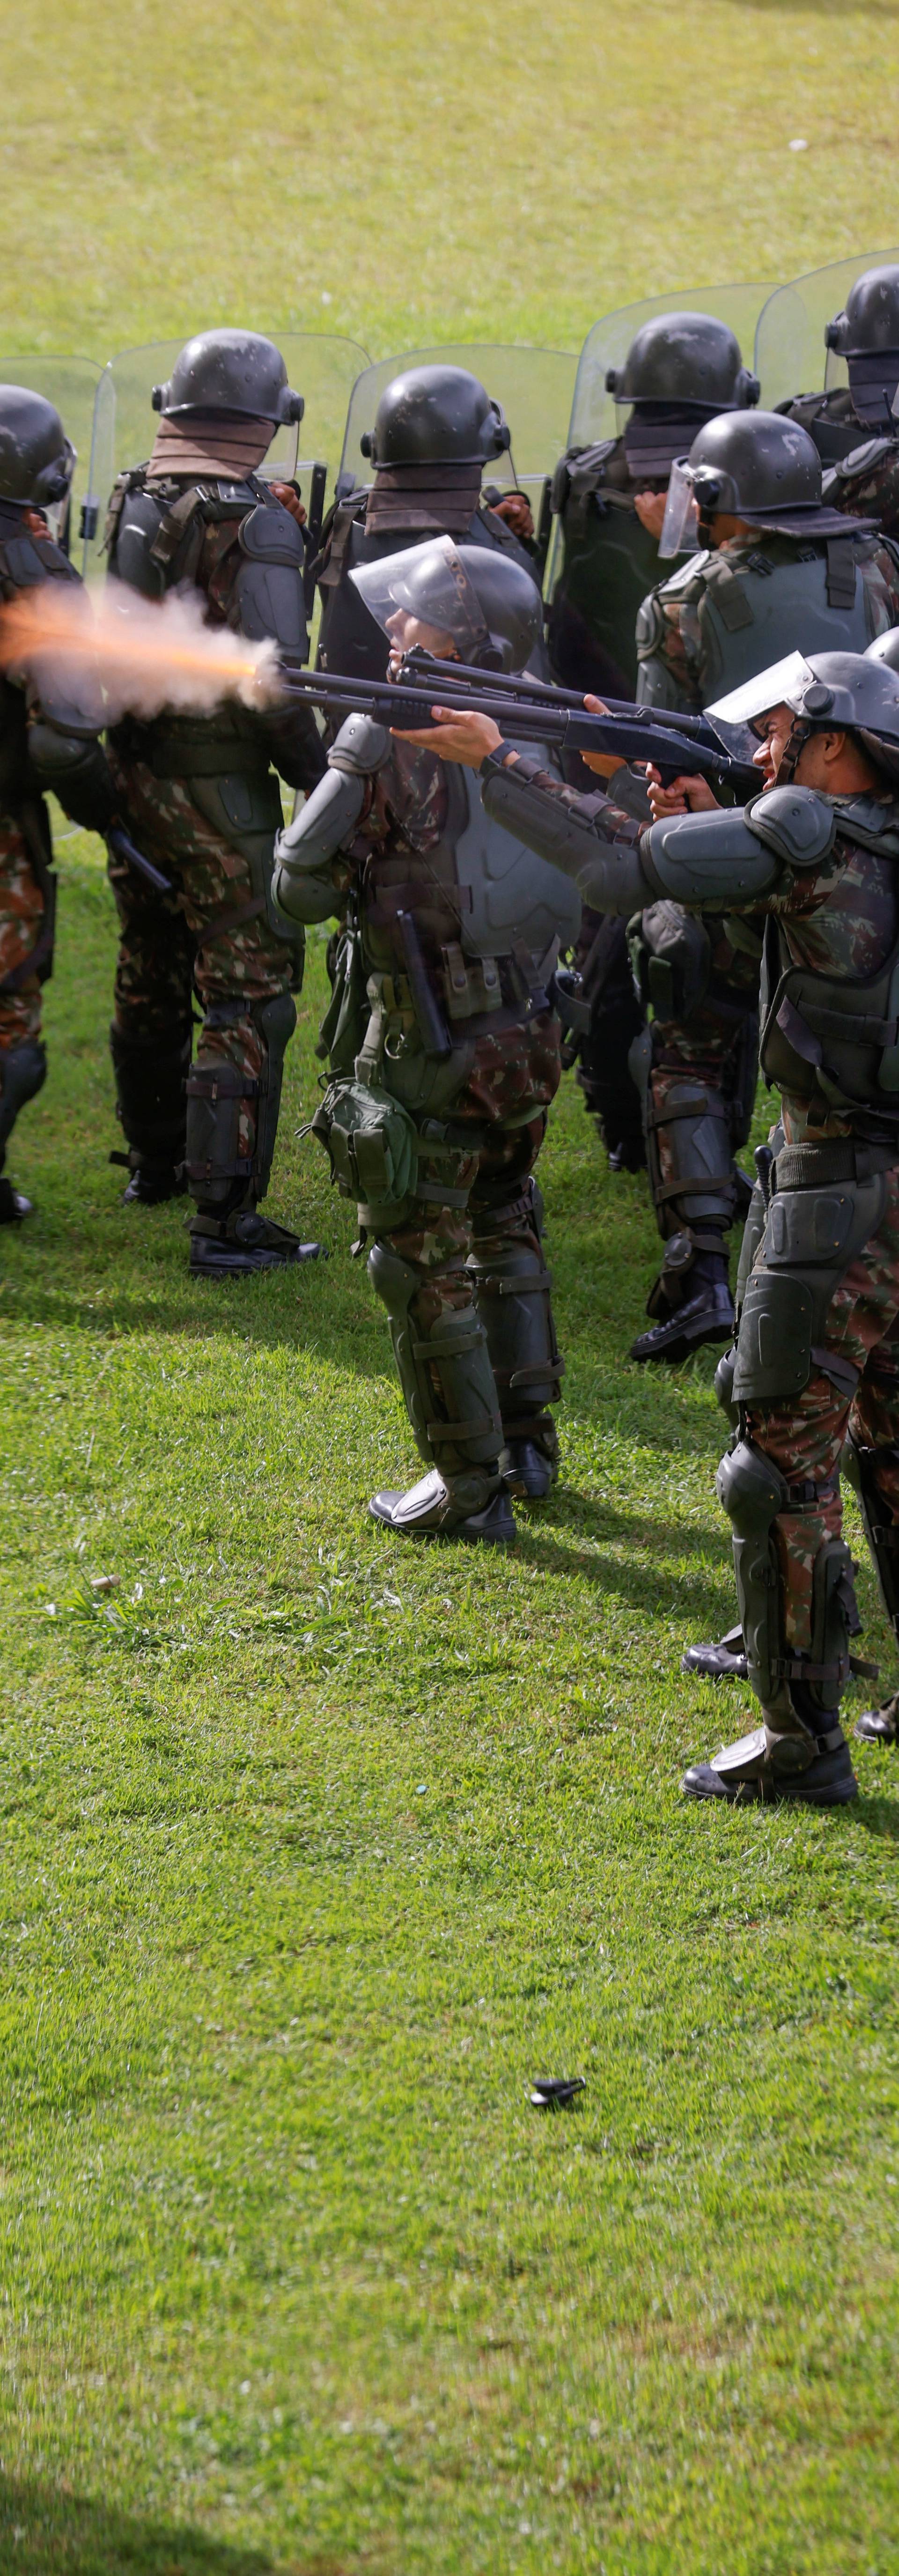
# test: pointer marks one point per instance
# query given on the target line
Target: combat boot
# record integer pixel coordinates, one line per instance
(879, 1725)
(431, 1509)
(152, 1182)
(814, 1770)
(703, 1313)
(13, 1204)
(230, 1247)
(724, 1661)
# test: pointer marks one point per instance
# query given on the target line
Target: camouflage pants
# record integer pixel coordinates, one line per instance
(505, 1103)
(209, 938)
(21, 919)
(804, 1435)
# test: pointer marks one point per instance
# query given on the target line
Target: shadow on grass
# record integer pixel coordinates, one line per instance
(638, 1577)
(42, 2530)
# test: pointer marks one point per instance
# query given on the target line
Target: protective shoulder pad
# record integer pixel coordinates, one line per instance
(25, 561)
(862, 460)
(362, 746)
(681, 581)
(709, 860)
(795, 822)
(270, 534)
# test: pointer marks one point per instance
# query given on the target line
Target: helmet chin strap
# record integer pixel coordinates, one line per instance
(799, 734)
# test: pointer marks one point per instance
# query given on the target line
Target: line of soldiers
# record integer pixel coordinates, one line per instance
(454, 898)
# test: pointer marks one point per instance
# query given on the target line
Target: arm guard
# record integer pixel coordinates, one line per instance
(303, 883)
(268, 600)
(567, 830)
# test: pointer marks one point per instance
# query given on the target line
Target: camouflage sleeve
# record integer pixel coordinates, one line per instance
(669, 654)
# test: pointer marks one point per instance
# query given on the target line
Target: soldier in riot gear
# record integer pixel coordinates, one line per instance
(49, 731)
(444, 1052)
(435, 430)
(854, 426)
(816, 1366)
(776, 566)
(681, 369)
(205, 802)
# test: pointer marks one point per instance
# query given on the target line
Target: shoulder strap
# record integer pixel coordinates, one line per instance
(728, 593)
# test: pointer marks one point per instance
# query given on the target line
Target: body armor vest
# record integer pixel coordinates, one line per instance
(349, 638)
(477, 887)
(155, 540)
(609, 562)
(748, 608)
(833, 1041)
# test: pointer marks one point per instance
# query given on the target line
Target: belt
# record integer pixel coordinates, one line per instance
(838, 1158)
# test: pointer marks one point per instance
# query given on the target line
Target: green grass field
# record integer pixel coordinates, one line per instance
(316, 1849)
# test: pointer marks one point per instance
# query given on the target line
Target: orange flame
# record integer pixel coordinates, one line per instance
(139, 656)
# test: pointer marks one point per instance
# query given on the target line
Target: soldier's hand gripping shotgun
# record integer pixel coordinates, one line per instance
(528, 711)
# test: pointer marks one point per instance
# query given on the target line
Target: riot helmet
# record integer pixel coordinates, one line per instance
(436, 416)
(37, 460)
(487, 604)
(237, 372)
(687, 359)
(855, 693)
(866, 334)
(757, 466)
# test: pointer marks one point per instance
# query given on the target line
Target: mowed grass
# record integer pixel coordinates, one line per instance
(317, 1850)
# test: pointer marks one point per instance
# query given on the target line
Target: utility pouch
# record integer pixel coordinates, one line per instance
(372, 1147)
(471, 985)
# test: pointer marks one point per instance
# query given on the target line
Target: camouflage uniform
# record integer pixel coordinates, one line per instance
(817, 1360)
(44, 742)
(692, 631)
(464, 1074)
(204, 802)
(866, 483)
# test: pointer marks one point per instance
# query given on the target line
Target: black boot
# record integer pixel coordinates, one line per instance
(703, 1311)
(813, 1770)
(151, 1183)
(13, 1205)
(529, 1471)
(722, 1662)
(428, 1511)
(150, 1077)
(229, 1247)
(879, 1725)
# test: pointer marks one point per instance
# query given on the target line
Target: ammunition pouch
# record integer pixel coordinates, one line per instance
(811, 1236)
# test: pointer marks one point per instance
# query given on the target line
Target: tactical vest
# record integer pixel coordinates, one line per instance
(829, 419)
(833, 1042)
(477, 887)
(349, 638)
(609, 562)
(155, 541)
(748, 608)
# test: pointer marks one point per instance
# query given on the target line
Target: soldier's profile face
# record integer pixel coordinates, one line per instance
(405, 631)
(774, 734)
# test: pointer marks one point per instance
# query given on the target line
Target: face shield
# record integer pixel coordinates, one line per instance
(680, 526)
(737, 718)
(429, 584)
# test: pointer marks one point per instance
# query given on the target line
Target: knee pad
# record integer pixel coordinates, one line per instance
(696, 1125)
(444, 1368)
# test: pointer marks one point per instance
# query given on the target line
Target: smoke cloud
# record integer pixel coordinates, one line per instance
(141, 655)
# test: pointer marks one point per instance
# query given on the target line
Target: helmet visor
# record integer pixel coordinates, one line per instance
(739, 713)
(427, 584)
(680, 527)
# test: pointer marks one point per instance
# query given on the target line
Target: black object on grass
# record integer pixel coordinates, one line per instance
(552, 2092)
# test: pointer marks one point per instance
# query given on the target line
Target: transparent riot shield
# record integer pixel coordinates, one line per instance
(790, 355)
(320, 367)
(534, 386)
(71, 384)
(594, 413)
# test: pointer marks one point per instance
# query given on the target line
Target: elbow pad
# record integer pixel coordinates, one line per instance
(709, 860)
(77, 771)
(362, 747)
(303, 884)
